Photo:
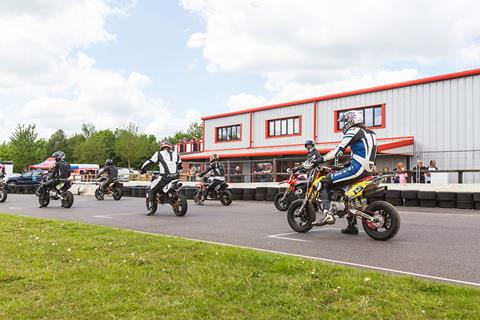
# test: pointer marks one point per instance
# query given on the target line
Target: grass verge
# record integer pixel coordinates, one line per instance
(63, 270)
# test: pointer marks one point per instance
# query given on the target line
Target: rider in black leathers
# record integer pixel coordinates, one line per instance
(61, 170)
(217, 177)
(112, 173)
(313, 155)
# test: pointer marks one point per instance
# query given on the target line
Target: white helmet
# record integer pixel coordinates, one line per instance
(350, 119)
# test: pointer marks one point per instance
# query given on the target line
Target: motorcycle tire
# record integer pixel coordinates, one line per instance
(226, 197)
(151, 207)
(386, 211)
(180, 205)
(44, 200)
(67, 201)
(283, 205)
(99, 194)
(117, 193)
(37, 190)
(3, 195)
(306, 217)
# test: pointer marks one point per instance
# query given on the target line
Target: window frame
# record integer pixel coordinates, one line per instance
(336, 113)
(281, 121)
(239, 133)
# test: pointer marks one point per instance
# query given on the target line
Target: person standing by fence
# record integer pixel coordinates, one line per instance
(431, 167)
(401, 176)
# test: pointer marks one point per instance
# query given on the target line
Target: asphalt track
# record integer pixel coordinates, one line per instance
(435, 243)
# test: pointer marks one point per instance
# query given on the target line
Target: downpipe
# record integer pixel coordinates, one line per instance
(376, 191)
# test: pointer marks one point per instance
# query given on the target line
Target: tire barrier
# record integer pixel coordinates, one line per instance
(127, 191)
(271, 193)
(476, 199)
(394, 197)
(237, 193)
(465, 200)
(248, 194)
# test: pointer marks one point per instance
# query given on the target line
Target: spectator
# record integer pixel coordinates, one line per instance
(259, 172)
(388, 179)
(237, 175)
(192, 172)
(268, 172)
(431, 167)
(418, 176)
(400, 175)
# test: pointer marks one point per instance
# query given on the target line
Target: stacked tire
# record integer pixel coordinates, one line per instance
(271, 193)
(465, 200)
(394, 197)
(261, 193)
(446, 199)
(377, 197)
(248, 194)
(476, 199)
(427, 199)
(237, 193)
(411, 198)
(127, 191)
(189, 193)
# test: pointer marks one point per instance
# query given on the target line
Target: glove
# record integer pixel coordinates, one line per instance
(290, 170)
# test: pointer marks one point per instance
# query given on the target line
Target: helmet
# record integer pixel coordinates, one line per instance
(59, 155)
(310, 144)
(108, 162)
(213, 157)
(165, 144)
(351, 119)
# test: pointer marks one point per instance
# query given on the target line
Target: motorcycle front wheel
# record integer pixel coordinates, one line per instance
(44, 199)
(3, 195)
(387, 221)
(225, 197)
(300, 220)
(99, 194)
(67, 201)
(117, 193)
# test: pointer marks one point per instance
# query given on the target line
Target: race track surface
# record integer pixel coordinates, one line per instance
(433, 243)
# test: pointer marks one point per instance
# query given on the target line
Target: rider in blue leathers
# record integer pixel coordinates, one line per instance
(363, 145)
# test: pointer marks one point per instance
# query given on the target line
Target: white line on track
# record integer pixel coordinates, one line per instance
(282, 235)
(111, 216)
(350, 264)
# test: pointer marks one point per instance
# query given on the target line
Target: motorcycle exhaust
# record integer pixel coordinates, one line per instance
(375, 192)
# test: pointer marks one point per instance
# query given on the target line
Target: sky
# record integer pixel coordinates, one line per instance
(164, 64)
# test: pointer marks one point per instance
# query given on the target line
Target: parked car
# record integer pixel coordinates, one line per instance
(27, 179)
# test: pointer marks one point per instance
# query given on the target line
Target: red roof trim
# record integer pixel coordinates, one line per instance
(352, 93)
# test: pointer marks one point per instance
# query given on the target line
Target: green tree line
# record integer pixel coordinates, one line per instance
(127, 146)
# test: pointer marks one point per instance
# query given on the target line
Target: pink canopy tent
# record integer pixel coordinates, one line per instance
(43, 165)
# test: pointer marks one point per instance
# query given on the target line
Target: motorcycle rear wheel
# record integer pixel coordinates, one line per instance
(44, 199)
(300, 220)
(117, 193)
(180, 205)
(99, 194)
(390, 217)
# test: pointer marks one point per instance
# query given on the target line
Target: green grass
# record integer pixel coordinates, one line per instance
(61, 270)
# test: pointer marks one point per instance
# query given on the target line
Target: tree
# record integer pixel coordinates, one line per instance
(5, 151)
(75, 143)
(194, 131)
(88, 129)
(96, 148)
(58, 141)
(130, 146)
(25, 147)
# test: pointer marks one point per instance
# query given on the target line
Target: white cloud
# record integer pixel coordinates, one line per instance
(46, 79)
(244, 101)
(312, 47)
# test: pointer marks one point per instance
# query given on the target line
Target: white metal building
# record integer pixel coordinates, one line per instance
(430, 118)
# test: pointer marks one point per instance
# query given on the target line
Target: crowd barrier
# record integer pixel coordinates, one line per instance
(407, 198)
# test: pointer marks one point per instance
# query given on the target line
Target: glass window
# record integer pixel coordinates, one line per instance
(229, 133)
(271, 131)
(368, 117)
(284, 127)
(378, 117)
(278, 128)
(290, 126)
(296, 124)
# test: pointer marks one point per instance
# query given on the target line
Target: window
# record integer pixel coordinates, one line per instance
(373, 116)
(283, 127)
(229, 133)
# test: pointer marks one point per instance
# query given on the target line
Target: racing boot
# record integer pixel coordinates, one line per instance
(327, 218)
(352, 226)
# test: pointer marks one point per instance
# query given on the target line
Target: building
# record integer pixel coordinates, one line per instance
(430, 118)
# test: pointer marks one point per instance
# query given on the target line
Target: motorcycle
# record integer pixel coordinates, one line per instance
(220, 192)
(380, 220)
(59, 192)
(114, 188)
(169, 194)
(295, 189)
(3, 191)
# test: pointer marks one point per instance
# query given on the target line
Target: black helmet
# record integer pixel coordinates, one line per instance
(58, 155)
(213, 157)
(108, 162)
(311, 143)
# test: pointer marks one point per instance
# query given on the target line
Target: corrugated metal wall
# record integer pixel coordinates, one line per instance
(210, 125)
(259, 125)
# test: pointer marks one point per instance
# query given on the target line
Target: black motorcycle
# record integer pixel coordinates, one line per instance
(59, 192)
(3, 191)
(114, 188)
(220, 192)
(169, 194)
